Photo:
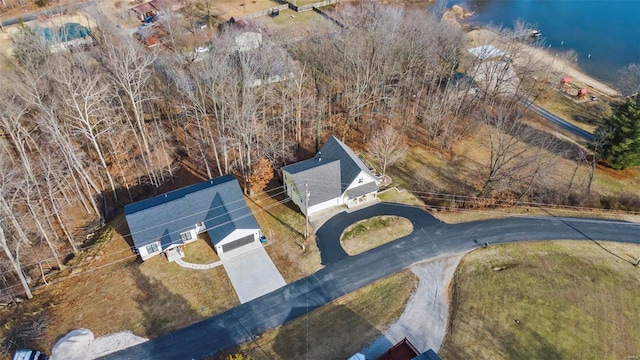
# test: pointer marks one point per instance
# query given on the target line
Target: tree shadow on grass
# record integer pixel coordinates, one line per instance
(162, 311)
(330, 332)
(272, 213)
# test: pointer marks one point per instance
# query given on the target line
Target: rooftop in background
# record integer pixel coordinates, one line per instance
(404, 350)
(486, 52)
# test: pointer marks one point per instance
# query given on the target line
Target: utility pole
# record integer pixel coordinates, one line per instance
(306, 210)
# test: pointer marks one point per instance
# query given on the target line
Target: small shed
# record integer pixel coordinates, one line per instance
(145, 11)
(582, 93)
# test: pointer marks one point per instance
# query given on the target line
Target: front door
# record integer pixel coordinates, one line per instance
(174, 254)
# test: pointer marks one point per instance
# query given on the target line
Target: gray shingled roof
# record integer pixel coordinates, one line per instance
(362, 190)
(325, 179)
(218, 203)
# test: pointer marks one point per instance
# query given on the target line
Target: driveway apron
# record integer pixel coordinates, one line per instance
(252, 274)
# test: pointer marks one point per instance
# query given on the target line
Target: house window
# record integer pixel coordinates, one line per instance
(360, 180)
(186, 236)
(152, 248)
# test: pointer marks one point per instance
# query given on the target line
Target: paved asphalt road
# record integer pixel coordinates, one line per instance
(559, 121)
(343, 274)
(14, 19)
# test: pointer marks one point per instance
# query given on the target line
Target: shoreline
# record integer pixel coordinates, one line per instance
(484, 35)
(554, 61)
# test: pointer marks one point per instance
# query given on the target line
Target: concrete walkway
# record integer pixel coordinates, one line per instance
(189, 265)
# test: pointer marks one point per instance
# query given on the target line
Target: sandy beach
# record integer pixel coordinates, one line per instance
(477, 37)
(556, 63)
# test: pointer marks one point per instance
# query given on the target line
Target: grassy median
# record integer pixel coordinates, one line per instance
(371, 233)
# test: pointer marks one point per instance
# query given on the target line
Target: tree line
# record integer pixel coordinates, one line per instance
(84, 132)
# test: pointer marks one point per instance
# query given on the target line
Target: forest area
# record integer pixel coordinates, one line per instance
(83, 133)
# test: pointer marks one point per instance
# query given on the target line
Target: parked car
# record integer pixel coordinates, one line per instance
(27, 354)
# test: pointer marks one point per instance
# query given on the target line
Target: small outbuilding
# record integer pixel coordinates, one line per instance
(582, 93)
(145, 12)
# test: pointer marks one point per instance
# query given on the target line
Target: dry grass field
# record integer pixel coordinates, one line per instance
(107, 297)
(583, 114)
(283, 225)
(238, 8)
(546, 300)
(371, 233)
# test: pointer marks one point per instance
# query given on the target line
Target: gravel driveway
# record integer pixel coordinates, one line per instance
(424, 320)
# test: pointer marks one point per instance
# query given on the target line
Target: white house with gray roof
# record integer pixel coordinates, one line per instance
(166, 223)
(335, 176)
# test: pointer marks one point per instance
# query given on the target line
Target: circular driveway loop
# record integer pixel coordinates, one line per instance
(328, 236)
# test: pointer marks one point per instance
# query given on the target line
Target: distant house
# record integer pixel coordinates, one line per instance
(486, 52)
(146, 11)
(67, 37)
(335, 176)
(166, 223)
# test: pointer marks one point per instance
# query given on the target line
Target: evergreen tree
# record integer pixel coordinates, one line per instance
(618, 140)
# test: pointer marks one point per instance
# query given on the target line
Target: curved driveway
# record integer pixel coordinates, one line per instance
(344, 274)
(329, 234)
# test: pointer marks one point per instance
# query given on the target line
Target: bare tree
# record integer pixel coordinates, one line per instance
(387, 147)
(11, 246)
(85, 94)
(130, 71)
(518, 153)
(629, 81)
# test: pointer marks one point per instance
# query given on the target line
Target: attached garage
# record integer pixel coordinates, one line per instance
(249, 239)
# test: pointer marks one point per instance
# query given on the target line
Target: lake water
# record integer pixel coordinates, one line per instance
(604, 33)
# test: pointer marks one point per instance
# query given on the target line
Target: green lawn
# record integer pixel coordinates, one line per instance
(571, 300)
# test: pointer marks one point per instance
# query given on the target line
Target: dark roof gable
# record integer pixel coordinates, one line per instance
(332, 150)
(218, 203)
